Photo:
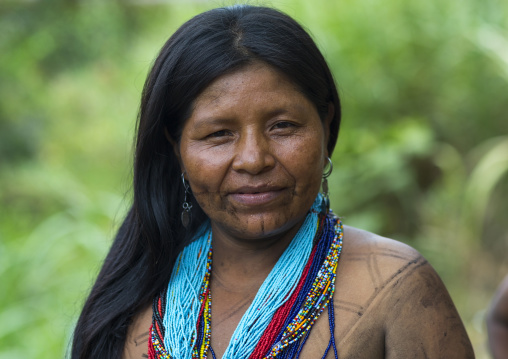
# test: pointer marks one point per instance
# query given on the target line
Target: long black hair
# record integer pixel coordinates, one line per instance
(209, 45)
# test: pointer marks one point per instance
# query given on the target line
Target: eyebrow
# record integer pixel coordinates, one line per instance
(213, 121)
(225, 121)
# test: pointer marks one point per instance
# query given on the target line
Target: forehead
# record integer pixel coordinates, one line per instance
(252, 81)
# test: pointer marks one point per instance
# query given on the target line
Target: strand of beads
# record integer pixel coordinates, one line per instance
(320, 252)
(202, 334)
(184, 296)
(286, 313)
(316, 300)
(204, 329)
(156, 347)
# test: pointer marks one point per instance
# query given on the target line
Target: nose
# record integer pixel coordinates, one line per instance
(253, 154)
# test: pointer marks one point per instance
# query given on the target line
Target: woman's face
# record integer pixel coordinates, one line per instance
(253, 152)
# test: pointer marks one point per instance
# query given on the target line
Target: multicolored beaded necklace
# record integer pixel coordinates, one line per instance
(287, 326)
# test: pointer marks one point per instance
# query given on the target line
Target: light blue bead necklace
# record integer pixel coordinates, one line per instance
(182, 298)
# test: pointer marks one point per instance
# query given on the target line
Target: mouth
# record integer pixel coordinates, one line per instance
(256, 195)
(256, 189)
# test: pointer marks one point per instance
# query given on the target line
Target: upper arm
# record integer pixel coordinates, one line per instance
(421, 318)
(136, 344)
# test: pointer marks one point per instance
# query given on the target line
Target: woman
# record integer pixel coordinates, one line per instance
(238, 120)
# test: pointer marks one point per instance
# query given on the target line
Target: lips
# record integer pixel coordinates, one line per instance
(256, 195)
(256, 189)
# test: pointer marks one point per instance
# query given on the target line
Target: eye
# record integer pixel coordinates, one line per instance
(283, 124)
(285, 127)
(220, 133)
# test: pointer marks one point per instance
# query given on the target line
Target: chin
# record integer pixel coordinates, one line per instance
(266, 226)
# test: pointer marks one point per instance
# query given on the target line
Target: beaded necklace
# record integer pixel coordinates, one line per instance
(285, 307)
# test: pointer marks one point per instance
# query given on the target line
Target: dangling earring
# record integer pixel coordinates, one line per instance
(186, 216)
(325, 203)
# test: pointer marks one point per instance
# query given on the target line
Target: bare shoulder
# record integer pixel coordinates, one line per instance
(375, 259)
(392, 303)
(136, 344)
(360, 240)
(388, 265)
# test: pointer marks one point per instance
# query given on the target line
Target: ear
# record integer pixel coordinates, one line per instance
(326, 124)
(176, 147)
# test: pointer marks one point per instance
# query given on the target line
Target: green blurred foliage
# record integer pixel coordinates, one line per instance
(422, 156)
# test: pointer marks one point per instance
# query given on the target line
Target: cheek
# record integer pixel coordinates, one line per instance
(205, 167)
(205, 171)
(304, 162)
(309, 182)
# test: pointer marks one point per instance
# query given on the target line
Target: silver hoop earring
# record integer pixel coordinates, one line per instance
(325, 202)
(186, 215)
(328, 171)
